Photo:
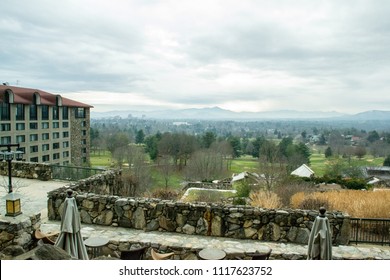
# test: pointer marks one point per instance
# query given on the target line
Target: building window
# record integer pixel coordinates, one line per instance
(65, 134)
(34, 149)
(56, 124)
(56, 146)
(33, 137)
(46, 158)
(45, 125)
(5, 140)
(84, 142)
(34, 159)
(20, 126)
(65, 113)
(5, 127)
(65, 144)
(33, 112)
(34, 125)
(19, 112)
(45, 136)
(65, 154)
(5, 111)
(55, 113)
(56, 135)
(45, 147)
(65, 124)
(20, 139)
(80, 113)
(56, 156)
(45, 112)
(84, 124)
(84, 132)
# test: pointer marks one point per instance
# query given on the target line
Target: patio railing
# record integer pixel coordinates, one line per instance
(73, 173)
(365, 230)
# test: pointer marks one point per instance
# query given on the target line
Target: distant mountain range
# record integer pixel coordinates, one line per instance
(216, 113)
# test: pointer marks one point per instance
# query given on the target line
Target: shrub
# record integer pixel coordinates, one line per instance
(286, 190)
(265, 199)
(356, 203)
(313, 203)
(243, 189)
(165, 194)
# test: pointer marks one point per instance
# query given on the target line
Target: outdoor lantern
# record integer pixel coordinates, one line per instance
(8, 156)
(13, 206)
(18, 155)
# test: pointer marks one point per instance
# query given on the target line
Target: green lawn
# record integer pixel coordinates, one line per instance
(318, 162)
(245, 163)
(102, 160)
(159, 182)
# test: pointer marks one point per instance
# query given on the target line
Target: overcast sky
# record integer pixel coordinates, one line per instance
(239, 55)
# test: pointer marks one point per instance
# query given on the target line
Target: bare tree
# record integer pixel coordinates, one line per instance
(271, 168)
(206, 165)
(138, 177)
(166, 169)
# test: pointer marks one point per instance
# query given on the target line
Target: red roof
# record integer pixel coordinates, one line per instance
(26, 96)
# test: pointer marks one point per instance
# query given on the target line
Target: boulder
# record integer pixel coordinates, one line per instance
(51, 252)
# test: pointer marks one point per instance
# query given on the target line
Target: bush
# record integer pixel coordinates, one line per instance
(313, 203)
(355, 184)
(265, 199)
(290, 187)
(356, 203)
(243, 189)
(165, 194)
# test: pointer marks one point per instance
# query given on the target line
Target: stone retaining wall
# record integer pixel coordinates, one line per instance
(29, 170)
(211, 186)
(16, 233)
(282, 225)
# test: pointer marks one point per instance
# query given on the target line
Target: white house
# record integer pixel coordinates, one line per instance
(303, 171)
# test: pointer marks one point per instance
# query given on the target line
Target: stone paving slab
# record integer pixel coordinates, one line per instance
(230, 246)
(32, 193)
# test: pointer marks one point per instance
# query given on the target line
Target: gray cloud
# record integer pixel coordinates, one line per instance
(263, 55)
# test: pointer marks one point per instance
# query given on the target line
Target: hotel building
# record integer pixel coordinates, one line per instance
(48, 127)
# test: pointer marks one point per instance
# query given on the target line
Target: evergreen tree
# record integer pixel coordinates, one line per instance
(140, 137)
(387, 161)
(328, 152)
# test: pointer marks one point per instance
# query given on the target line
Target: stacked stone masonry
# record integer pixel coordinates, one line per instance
(242, 222)
(29, 170)
(16, 234)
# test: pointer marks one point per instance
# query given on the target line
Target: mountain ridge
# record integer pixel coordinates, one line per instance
(217, 113)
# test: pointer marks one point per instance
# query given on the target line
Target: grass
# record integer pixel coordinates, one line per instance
(318, 162)
(360, 204)
(175, 179)
(102, 160)
(245, 163)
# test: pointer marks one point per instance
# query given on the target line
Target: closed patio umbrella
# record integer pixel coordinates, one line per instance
(320, 239)
(70, 238)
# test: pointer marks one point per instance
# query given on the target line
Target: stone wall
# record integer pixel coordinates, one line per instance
(16, 233)
(210, 186)
(29, 170)
(242, 222)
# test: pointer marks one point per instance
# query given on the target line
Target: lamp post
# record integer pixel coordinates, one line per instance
(13, 206)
